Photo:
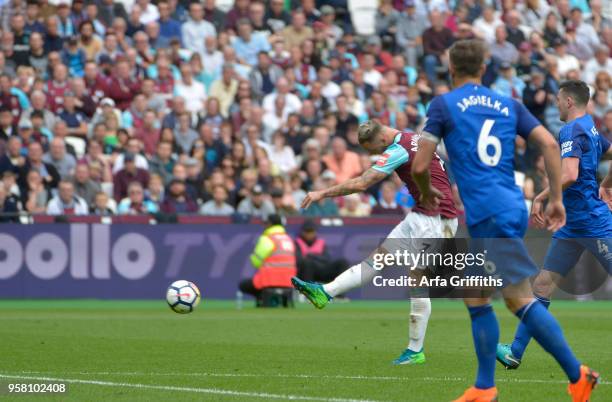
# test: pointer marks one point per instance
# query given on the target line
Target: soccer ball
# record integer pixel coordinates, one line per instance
(183, 296)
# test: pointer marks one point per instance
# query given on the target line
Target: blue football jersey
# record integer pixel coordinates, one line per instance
(479, 127)
(587, 214)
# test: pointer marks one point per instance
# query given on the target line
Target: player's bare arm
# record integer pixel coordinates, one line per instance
(554, 214)
(430, 196)
(356, 185)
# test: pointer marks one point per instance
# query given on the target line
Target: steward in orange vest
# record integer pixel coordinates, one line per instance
(274, 259)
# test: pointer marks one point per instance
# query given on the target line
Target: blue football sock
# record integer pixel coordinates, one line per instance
(522, 336)
(485, 331)
(546, 331)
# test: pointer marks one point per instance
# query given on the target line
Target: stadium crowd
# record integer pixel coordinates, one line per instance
(132, 106)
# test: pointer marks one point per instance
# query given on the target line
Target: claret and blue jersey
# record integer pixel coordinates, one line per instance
(587, 214)
(479, 127)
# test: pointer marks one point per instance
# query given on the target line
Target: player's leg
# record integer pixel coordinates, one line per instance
(562, 256)
(546, 331)
(355, 276)
(485, 333)
(432, 230)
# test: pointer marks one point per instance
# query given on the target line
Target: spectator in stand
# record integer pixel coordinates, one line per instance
(122, 86)
(163, 162)
(34, 194)
(225, 88)
(148, 133)
(601, 62)
(9, 206)
(134, 147)
(102, 205)
(298, 31)
(248, 44)
(135, 202)
(501, 49)
(263, 77)
(514, 32)
(408, 36)
(354, 207)
(189, 89)
(196, 29)
(184, 135)
(75, 120)
(565, 61)
(507, 83)
(255, 205)
(12, 159)
(436, 40)
(177, 200)
(386, 203)
(57, 156)
(343, 163)
(487, 23)
(66, 202)
(34, 161)
(217, 206)
(84, 186)
(536, 96)
(130, 173)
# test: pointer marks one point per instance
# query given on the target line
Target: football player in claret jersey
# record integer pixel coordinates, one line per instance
(478, 128)
(397, 151)
(589, 220)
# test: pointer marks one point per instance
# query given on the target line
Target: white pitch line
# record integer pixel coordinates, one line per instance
(213, 391)
(306, 376)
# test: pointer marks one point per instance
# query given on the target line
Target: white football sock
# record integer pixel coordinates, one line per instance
(352, 278)
(420, 310)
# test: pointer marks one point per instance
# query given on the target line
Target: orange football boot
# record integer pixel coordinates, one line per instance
(581, 389)
(474, 394)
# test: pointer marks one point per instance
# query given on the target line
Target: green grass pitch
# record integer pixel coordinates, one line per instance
(142, 351)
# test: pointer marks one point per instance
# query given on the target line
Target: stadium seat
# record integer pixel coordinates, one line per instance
(78, 144)
(363, 14)
(276, 297)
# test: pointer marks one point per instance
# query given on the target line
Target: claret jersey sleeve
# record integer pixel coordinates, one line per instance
(394, 156)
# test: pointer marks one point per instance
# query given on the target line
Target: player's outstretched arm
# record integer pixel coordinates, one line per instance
(356, 185)
(430, 196)
(554, 215)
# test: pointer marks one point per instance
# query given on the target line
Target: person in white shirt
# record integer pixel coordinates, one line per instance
(293, 103)
(601, 62)
(486, 24)
(585, 32)
(370, 74)
(212, 58)
(218, 205)
(134, 147)
(148, 12)
(565, 61)
(281, 154)
(329, 88)
(196, 29)
(191, 90)
(66, 202)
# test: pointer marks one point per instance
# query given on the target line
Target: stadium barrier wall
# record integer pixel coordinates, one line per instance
(136, 261)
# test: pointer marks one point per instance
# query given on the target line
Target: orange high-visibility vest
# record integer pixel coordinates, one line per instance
(279, 267)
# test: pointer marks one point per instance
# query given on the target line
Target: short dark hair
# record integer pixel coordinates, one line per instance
(578, 90)
(368, 131)
(467, 56)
